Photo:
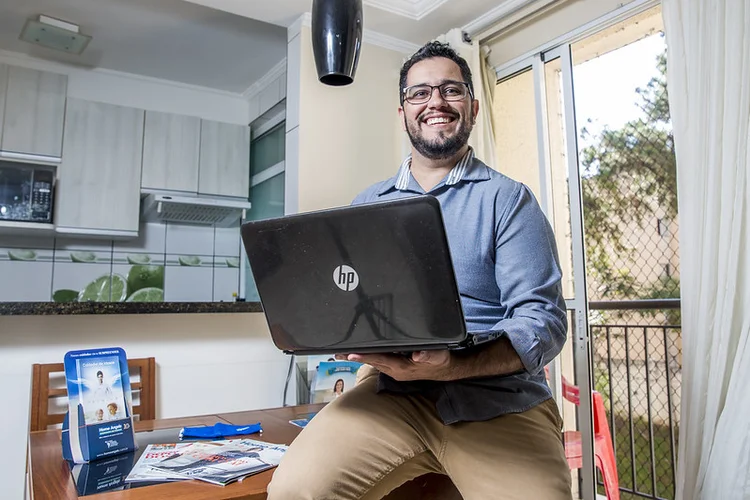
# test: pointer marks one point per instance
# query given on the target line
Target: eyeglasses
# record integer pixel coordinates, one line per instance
(450, 91)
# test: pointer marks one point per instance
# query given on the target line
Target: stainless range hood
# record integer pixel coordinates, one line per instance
(193, 209)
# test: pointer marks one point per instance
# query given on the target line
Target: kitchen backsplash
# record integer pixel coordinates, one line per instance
(167, 262)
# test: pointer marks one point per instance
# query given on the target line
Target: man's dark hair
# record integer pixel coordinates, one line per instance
(428, 51)
(99, 373)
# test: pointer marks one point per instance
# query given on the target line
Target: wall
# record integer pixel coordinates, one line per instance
(528, 35)
(141, 92)
(340, 139)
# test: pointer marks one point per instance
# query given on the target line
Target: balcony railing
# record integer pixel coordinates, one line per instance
(637, 354)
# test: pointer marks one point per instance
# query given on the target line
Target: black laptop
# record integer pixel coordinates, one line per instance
(376, 277)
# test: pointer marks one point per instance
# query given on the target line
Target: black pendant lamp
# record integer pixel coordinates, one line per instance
(336, 39)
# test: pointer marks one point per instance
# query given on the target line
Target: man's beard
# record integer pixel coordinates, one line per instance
(439, 149)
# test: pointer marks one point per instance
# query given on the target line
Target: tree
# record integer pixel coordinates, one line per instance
(629, 177)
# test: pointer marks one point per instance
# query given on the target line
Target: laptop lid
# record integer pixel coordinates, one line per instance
(364, 278)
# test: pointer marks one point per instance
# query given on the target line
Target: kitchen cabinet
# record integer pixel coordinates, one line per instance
(171, 149)
(100, 175)
(34, 112)
(224, 159)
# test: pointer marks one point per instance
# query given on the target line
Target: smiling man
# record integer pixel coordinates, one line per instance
(484, 416)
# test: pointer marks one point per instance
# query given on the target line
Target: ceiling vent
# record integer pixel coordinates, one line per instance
(55, 34)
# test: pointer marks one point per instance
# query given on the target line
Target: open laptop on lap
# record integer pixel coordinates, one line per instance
(366, 278)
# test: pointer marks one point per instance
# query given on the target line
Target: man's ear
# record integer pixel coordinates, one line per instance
(475, 109)
(401, 118)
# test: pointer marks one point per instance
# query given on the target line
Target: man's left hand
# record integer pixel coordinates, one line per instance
(422, 365)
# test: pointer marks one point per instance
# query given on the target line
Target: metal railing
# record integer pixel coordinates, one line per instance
(637, 368)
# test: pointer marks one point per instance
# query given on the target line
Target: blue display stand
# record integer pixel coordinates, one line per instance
(99, 421)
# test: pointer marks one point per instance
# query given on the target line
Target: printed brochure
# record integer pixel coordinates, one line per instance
(153, 454)
(303, 419)
(222, 462)
(332, 379)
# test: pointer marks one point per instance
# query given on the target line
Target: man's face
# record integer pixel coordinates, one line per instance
(438, 129)
(100, 377)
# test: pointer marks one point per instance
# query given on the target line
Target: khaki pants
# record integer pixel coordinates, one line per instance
(363, 445)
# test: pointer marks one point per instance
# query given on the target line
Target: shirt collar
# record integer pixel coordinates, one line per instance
(465, 169)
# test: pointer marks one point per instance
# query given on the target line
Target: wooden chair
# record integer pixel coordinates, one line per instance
(48, 386)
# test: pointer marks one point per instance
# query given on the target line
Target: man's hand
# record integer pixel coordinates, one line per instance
(497, 358)
(422, 365)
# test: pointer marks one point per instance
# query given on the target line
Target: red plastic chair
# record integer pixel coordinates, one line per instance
(604, 451)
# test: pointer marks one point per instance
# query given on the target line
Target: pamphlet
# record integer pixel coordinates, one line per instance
(222, 462)
(332, 379)
(153, 454)
(303, 419)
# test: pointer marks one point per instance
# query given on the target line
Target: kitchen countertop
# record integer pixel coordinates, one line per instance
(65, 308)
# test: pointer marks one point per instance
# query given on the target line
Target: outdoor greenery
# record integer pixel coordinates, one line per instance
(629, 180)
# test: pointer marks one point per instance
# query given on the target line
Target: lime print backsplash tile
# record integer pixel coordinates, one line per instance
(167, 262)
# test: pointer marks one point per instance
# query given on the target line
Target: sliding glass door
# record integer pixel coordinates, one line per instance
(585, 124)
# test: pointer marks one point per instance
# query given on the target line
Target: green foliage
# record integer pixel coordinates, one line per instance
(628, 179)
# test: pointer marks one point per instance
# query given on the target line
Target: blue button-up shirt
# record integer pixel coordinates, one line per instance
(506, 265)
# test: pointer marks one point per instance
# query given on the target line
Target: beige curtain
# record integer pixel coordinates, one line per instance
(482, 137)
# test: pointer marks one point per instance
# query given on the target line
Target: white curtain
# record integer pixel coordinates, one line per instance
(708, 64)
(482, 137)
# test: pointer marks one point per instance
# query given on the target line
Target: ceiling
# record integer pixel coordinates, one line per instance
(166, 39)
(415, 21)
(221, 44)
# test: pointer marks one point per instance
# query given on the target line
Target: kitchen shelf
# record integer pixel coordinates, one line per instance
(70, 308)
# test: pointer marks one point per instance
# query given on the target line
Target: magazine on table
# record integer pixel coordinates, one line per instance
(143, 471)
(222, 462)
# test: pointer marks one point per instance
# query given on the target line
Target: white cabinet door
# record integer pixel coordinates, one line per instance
(225, 159)
(100, 176)
(34, 112)
(3, 85)
(171, 148)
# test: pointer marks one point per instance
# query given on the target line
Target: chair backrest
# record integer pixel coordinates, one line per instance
(573, 394)
(570, 391)
(48, 392)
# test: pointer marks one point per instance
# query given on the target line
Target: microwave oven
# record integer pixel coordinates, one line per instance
(26, 192)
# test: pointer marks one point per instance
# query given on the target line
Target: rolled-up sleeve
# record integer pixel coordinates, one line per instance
(528, 275)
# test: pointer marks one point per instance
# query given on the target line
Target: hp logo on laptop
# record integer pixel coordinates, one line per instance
(345, 278)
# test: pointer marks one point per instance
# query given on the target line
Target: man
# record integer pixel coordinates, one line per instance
(482, 416)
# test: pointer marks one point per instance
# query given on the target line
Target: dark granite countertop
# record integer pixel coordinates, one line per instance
(55, 308)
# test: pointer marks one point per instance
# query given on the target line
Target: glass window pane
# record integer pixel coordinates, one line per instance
(629, 192)
(267, 150)
(515, 126)
(267, 198)
(268, 201)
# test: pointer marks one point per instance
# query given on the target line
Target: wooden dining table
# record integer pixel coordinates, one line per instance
(51, 479)
(50, 475)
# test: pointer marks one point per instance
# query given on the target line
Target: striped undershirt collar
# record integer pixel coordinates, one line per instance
(455, 175)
